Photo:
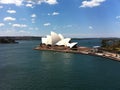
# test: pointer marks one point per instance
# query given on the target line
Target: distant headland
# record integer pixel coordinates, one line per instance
(12, 39)
(21, 37)
(56, 42)
(7, 40)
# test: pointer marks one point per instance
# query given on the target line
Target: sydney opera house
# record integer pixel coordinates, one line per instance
(55, 39)
(56, 42)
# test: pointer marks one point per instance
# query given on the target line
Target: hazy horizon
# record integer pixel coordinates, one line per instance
(69, 37)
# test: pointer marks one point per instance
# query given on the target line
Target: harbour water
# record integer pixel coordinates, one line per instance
(22, 68)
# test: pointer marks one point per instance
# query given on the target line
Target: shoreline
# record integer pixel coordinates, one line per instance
(82, 50)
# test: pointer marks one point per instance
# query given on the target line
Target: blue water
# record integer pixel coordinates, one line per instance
(22, 68)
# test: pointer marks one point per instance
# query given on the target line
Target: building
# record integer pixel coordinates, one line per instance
(57, 39)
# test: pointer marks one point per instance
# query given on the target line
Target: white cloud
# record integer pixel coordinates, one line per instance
(16, 25)
(23, 25)
(47, 24)
(9, 23)
(92, 3)
(118, 20)
(33, 20)
(13, 32)
(2, 24)
(55, 13)
(48, 14)
(90, 27)
(16, 2)
(31, 28)
(117, 17)
(33, 15)
(29, 5)
(51, 1)
(19, 25)
(22, 31)
(11, 11)
(20, 2)
(9, 19)
(36, 28)
(1, 7)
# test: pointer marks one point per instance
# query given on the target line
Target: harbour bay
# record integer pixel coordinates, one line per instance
(23, 68)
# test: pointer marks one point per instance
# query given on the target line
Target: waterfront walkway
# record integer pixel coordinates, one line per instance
(82, 50)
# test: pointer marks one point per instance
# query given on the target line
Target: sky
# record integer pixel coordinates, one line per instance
(72, 18)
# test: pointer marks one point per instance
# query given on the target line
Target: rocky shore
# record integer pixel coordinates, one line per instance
(80, 50)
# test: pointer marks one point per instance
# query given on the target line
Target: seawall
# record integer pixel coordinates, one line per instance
(81, 50)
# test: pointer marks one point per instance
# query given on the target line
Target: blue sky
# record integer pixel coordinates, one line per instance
(72, 18)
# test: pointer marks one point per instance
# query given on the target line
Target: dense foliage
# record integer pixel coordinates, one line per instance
(7, 40)
(111, 45)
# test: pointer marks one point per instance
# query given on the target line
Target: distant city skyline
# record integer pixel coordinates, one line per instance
(72, 18)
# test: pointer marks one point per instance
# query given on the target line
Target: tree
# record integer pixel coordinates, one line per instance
(104, 43)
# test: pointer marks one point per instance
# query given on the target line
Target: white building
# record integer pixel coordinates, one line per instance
(64, 41)
(57, 39)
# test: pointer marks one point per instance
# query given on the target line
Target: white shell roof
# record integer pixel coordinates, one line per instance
(44, 40)
(63, 42)
(71, 44)
(61, 36)
(49, 39)
(57, 39)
